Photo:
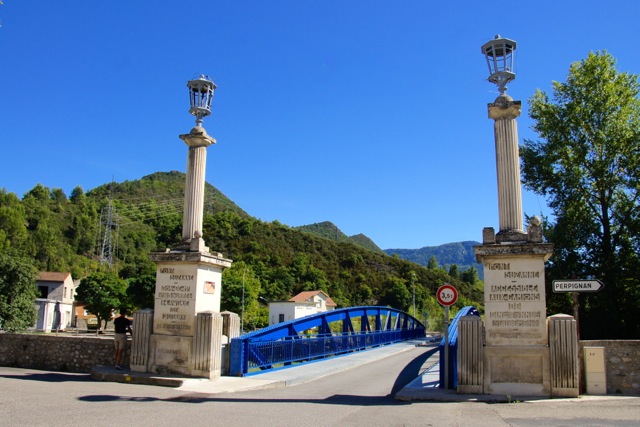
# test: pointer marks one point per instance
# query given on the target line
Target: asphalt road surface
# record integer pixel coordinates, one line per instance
(362, 396)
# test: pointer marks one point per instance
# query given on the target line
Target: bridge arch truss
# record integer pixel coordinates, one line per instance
(319, 336)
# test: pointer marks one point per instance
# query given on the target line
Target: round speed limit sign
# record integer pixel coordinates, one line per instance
(447, 295)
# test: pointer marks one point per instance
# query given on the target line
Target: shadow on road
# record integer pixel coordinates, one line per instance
(411, 371)
(336, 399)
(51, 377)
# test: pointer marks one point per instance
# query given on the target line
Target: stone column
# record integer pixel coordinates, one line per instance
(198, 140)
(230, 330)
(207, 345)
(563, 351)
(142, 329)
(230, 325)
(505, 111)
(470, 355)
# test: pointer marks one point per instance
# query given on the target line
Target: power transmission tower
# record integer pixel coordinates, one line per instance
(109, 226)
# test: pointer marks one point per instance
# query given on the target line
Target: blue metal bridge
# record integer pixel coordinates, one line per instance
(319, 336)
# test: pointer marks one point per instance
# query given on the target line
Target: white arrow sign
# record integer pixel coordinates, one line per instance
(577, 285)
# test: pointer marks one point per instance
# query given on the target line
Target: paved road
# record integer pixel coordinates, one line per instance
(361, 396)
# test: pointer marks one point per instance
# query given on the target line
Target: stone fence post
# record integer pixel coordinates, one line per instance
(142, 329)
(563, 352)
(470, 355)
(207, 345)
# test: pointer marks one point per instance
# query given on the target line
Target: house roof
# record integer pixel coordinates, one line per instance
(52, 276)
(306, 295)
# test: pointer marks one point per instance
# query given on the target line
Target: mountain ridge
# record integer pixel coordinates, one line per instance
(447, 254)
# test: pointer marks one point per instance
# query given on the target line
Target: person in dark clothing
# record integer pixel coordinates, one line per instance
(122, 326)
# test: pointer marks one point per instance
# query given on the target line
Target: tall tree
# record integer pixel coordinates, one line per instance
(433, 263)
(13, 231)
(240, 292)
(587, 165)
(102, 293)
(470, 275)
(141, 291)
(17, 293)
(397, 295)
(453, 271)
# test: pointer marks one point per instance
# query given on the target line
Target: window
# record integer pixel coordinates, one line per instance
(43, 291)
(280, 317)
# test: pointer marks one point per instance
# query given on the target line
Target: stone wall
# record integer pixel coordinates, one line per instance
(66, 353)
(622, 365)
(81, 353)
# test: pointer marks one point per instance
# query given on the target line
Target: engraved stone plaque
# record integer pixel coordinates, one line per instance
(515, 305)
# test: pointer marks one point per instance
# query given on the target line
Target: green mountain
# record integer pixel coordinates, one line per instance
(115, 226)
(460, 254)
(330, 231)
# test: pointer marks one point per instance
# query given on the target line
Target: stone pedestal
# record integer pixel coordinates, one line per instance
(517, 370)
(516, 354)
(187, 284)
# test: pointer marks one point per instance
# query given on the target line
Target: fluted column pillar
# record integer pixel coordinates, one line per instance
(505, 111)
(198, 140)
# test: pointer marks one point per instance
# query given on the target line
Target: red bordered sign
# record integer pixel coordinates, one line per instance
(447, 295)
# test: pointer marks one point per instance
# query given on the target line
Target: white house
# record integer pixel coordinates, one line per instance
(303, 304)
(54, 303)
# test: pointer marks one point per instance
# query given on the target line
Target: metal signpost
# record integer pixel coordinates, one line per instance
(447, 295)
(576, 287)
(560, 286)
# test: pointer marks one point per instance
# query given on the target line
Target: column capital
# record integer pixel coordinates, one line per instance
(504, 107)
(198, 137)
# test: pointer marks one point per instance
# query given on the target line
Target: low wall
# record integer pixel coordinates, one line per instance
(622, 365)
(81, 353)
(66, 353)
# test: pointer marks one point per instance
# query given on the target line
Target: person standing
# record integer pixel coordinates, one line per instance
(122, 326)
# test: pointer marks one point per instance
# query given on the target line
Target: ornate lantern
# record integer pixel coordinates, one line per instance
(200, 95)
(500, 59)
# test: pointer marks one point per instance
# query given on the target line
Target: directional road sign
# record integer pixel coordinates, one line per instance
(447, 295)
(561, 286)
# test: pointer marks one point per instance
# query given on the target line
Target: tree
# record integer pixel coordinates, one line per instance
(470, 275)
(102, 293)
(141, 291)
(17, 293)
(397, 295)
(240, 286)
(587, 165)
(453, 271)
(433, 263)
(77, 195)
(13, 231)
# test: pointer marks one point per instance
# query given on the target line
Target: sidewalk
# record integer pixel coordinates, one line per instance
(272, 379)
(423, 388)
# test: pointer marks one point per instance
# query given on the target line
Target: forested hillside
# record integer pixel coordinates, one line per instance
(459, 254)
(330, 231)
(271, 261)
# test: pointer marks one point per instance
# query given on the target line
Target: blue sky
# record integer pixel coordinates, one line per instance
(369, 114)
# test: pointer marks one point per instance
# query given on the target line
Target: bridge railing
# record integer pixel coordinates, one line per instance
(272, 354)
(289, 343)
